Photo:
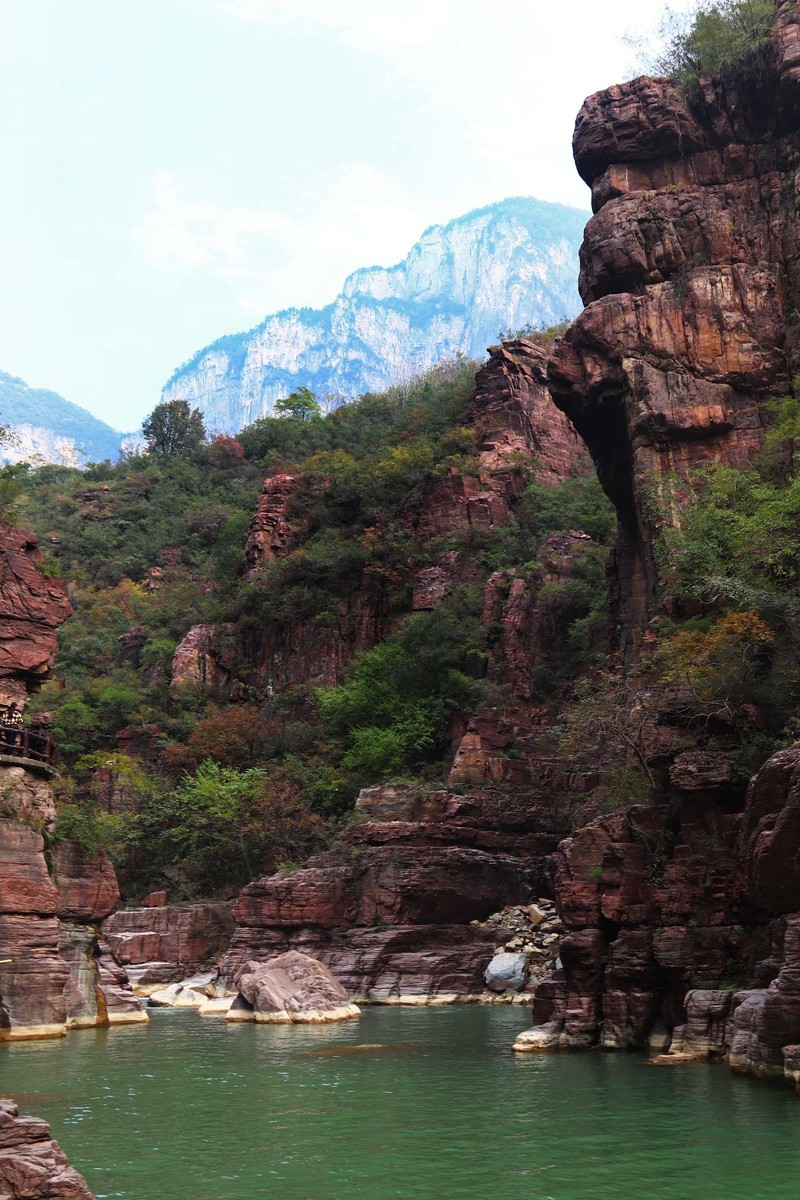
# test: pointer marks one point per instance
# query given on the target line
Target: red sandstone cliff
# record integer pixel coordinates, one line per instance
(520, 435)
(689, 274)
(52, 974)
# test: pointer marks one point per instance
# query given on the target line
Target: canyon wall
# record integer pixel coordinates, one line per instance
(690, 279)
(398, 908)
(690, 275)
(55, 971)
(520, 436)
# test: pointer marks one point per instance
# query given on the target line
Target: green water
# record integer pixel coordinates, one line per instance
(189, 1108)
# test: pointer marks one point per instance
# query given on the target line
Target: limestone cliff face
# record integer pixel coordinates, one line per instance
(500, 267)
(49, 428)
(689, 273)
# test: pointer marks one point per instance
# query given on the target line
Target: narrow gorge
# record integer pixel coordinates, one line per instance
(478, 709)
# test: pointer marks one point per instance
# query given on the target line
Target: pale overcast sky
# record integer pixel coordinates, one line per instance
(176, 169)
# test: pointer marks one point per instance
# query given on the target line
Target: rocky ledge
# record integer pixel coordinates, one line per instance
(32, 1165)
(395, 912)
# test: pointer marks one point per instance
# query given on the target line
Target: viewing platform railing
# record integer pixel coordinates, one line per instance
(24, 748)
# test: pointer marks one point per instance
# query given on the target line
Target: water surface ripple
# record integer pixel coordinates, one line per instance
(432, 1106)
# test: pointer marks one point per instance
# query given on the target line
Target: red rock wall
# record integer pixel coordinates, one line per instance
(32, 606)
(49, 979)
(32, 1165)
(161, 944)
(689, 273)
(391, 912)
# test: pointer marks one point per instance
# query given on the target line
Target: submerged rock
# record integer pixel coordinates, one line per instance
(292, 988)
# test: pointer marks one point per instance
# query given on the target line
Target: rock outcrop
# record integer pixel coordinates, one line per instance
(290, 989)
(520, 435)
(32, 1165)
(390, 912)
(53, 974)
(52, 971)
(32, 606)
(514, 417)
(163, 944)
(690, 278)
(689, 275)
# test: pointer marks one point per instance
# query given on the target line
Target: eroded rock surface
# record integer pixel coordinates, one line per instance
(389, 912)
(162, 944)
(50, 975)
(291, 988)
(32, 1164)
(32, 606)
(689, 273)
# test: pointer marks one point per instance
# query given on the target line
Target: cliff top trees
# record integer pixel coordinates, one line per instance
(713, 38)
(173, 429)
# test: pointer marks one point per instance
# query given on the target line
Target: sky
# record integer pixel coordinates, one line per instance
(174, 170)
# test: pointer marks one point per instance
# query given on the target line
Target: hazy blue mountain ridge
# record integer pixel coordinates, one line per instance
(47, 426)
(503, 266)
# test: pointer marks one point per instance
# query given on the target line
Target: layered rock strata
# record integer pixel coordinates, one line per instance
(32, 606)
(689, 275)
(32, 1164)
(53, 972)
(390, 912)
(163, 944)
(690, 278)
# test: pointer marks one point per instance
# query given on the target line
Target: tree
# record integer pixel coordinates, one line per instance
(173, 429)
(714, 37)
(299, 406)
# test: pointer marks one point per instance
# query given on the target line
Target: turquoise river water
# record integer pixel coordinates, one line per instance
(433, 1105)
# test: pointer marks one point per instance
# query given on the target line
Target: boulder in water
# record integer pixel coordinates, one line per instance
(31, 1163)
(292, 988)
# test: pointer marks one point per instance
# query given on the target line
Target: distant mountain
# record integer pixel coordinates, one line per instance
(46, 426)
(501, 267)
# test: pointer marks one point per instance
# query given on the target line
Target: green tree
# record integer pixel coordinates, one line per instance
(173, 429)
(299, 406)
(713, 38)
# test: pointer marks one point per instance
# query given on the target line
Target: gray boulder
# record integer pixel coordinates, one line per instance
(506, 972)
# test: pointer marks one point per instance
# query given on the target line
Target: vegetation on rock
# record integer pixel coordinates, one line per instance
(715, 37)
(154, 544)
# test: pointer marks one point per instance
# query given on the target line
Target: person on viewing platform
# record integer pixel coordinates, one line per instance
(11, 724)
(37, 739)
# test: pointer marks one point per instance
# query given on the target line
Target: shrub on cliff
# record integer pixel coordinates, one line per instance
(393, 712)
(716, 37)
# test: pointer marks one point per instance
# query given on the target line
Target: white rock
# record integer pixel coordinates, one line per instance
(506, 972)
